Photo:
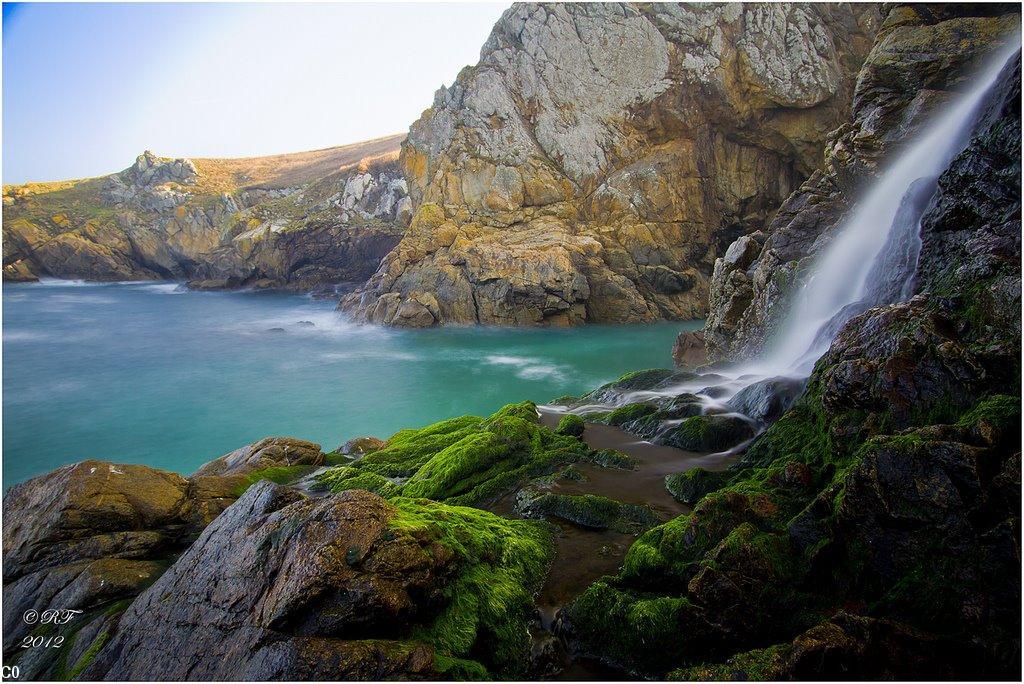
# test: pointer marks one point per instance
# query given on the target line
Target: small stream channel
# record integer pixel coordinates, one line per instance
(585, 555)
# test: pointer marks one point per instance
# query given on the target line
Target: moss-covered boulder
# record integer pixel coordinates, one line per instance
(709, 433)
(612, 458)
(586, 510)
(690, 486)
(571, 424)
(466, 460)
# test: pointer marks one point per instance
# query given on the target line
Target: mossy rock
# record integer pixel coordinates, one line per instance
(345, 478)
(501, 564)
(645, 633)
(571, 424)
(586, 510)
(466, 460)
(690, 486)
(612, 458)
(709, 433)
(278, 474)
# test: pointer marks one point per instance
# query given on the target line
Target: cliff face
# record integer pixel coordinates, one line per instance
(923, 57)
(598, 158)
(873, 531)
(295, 220)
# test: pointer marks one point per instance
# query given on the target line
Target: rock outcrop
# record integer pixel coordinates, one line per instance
(306, 221)
(924, 55)
(890, 488)
(327, 588)
(599, 157)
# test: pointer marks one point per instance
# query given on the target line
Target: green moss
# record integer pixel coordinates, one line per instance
(995, 420)
(587, 510)
(88, 656)
(501, 564)
(344, 478)
(336, 458)
(612, 458)
(465, 460)
(571, 424)
(690, 486)
(761, 664)
(407, 450)
(642, 379)
(709, 433)
(629, 413)
(460, 669)
(644, 632)
(278, 474)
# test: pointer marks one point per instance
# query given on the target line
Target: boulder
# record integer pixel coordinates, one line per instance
(764, 401)
(270, 452)
(688, 350)
(708, 433)
(358, 590)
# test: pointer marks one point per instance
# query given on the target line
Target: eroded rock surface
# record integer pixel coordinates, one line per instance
(599, 157)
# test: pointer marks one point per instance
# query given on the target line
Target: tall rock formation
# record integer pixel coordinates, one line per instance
(300, 220)
(599, 157)
(924, 56)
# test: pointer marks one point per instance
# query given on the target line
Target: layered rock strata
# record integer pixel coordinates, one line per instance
(599, 157)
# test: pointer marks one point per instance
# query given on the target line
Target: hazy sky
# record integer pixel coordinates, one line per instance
(87, 87)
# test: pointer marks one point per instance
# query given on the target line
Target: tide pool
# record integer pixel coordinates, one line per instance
(152, 373)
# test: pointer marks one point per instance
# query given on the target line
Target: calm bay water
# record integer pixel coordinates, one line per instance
(150, 373)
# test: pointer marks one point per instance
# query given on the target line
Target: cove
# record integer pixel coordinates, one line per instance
(155, 374)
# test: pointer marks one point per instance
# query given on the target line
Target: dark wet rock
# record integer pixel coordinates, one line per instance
(766, 400)
(270, 452)
(637, 381)
(586, 510)
(690, 486)
(336, 552)
(89, 537)
(708, 433)
(688, 350)
(847, 647)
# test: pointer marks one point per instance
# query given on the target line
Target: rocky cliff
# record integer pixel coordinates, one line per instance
(599, 157)
(924, 56)
(873, 530)
(300, 221)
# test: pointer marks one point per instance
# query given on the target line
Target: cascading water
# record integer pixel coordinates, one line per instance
(872, 259)
(870, 262)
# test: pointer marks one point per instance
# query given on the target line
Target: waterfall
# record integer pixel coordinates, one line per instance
(870, 262)
(872, 259)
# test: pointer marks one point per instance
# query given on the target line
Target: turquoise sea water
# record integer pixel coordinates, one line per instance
(151, 373)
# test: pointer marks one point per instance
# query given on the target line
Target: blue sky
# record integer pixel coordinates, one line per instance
(87, 87)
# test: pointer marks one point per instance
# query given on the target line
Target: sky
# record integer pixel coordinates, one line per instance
(88, 87)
